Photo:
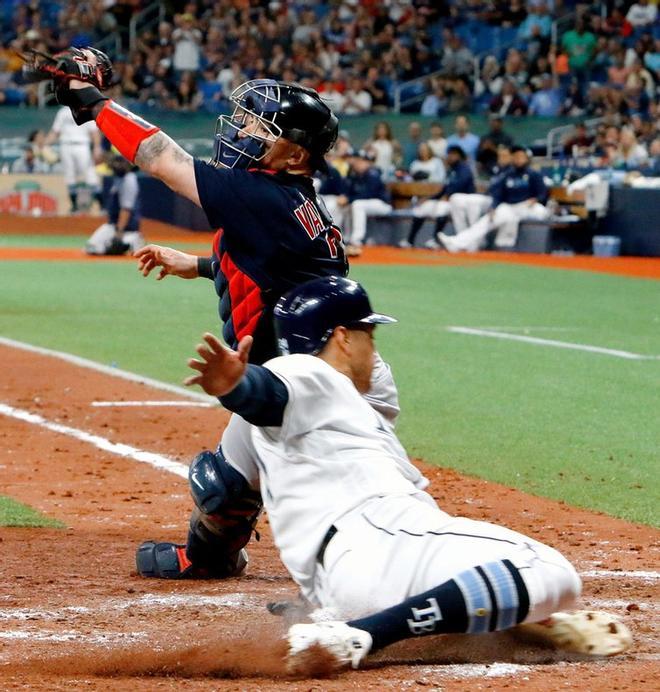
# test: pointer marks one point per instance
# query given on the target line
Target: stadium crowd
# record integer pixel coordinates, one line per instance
(606, 60)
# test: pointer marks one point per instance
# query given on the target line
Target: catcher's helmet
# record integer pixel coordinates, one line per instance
(283, 109)
(306, 316)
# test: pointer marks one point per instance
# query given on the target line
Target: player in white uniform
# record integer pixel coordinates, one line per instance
(348, 511)
(80, 147)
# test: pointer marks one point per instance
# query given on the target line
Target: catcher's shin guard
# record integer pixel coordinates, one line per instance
(170, 561)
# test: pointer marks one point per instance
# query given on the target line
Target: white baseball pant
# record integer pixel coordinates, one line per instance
(506, 218)
(334, 209)
(467, 209)
(99, 241)
(356, 218)
(77, 164)
(432, 209)
(397, 546)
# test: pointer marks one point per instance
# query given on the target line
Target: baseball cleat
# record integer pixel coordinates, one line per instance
(346, 646)
(591, 632)
(448, 243)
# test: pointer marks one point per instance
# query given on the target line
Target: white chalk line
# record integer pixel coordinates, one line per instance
(108, 370)
(644, 575)
(177, 404)
(123, 450)
(537, 341)
(73, 635)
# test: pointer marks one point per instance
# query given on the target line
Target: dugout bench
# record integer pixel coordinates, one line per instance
(570, 228)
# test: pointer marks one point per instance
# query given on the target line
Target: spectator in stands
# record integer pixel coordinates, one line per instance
(616, 24)
(508, 102)
(547, 100)
(29, 163)
(580, 46)
(42, 151)
(496, 132)
(357, 100)
(436, 102)
(456, 59)
(188, 96)
(427, 167)
(617, 72)
(332, 96)
(642, 14)
(459, 180)
(652, 169)
(437, 140)
(640, 78)
(377, 88)
(385, 149)
(365, 195)
(187, 39)
(579, 143)
(338, 155)
(409, 146)
(535, 30)
(462, 137)
(518, 193)
(574, 101)
(515, 68)
(631, 154)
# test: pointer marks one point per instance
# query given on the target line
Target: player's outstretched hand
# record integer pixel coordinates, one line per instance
(170, 261)
(221, 368)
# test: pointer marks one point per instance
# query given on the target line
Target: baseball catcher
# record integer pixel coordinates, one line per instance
(273, 233)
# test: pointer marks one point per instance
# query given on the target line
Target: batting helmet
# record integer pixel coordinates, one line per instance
(283, 109)
(306, 316)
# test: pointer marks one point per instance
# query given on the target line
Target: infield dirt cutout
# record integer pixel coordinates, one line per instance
(75, 614)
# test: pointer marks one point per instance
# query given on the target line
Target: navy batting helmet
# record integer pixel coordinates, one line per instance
(283, 109)
(306, 316)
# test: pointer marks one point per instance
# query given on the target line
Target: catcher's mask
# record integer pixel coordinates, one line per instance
(266, 110)
(306, 316)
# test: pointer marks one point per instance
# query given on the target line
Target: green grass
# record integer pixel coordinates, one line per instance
(15, 514)
(574, 426)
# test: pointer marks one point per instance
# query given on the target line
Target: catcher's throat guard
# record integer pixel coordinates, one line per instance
(264, 111)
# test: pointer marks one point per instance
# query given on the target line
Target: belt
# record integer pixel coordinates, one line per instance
(324, 543)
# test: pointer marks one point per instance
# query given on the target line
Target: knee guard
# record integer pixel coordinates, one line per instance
(226, 511)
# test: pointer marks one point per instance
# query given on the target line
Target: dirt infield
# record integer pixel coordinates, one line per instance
(643, 267)
(76, 616)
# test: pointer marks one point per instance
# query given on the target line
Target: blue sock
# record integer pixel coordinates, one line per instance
(481, 599)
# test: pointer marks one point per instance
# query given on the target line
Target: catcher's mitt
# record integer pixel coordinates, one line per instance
(85, 64)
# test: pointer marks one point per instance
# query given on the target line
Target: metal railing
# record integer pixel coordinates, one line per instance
(144, 20)
(556, 134)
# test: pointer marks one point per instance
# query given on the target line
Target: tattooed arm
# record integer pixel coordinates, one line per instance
(163, 158)
(156, 154)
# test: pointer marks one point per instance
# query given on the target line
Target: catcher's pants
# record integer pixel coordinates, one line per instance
(355, 223)
(393, 547)
(467, 209)
(506, 219)
(432, 209)
(78, 165)
(101, 238)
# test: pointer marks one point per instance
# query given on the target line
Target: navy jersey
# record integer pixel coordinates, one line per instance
(273, 234)
(516, 185)
(459, 179)
(124, 194)
(369, 185)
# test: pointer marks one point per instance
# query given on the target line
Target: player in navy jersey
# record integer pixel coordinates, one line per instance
(273, 232)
